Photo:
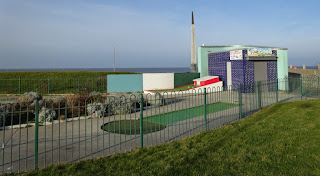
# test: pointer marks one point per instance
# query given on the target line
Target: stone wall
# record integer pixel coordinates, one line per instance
(304, 72)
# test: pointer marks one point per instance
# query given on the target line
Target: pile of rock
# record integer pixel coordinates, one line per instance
(98, 107)
(46, 115)
(30, 98)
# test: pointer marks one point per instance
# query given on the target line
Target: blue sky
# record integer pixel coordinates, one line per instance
(82, 34)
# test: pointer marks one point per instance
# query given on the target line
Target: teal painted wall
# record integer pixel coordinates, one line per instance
(282, 64)
(181, 79)
(124, 83)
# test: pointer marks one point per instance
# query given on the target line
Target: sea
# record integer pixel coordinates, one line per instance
(136, 70)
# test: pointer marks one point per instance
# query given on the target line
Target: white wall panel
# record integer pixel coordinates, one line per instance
(156, 81)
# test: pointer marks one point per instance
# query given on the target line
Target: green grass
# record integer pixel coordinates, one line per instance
(55, 74)
(176, 89)
(180, 115)
(131, 127)
(56, 82)
(7, 99)
(283, 139)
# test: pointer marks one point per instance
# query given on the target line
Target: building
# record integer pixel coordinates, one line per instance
(242, 64)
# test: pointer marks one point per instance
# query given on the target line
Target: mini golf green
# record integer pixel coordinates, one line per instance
(180, 115)
(158, 122)
(131, 127)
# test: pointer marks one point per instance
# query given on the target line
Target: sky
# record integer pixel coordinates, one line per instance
(149, 33)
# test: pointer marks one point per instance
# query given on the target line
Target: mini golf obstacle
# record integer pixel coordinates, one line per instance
(211, 83)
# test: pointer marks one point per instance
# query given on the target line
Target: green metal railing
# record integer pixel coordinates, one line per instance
(40, 133)
(53, 85)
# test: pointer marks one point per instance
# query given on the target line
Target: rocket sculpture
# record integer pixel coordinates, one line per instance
(193, 65)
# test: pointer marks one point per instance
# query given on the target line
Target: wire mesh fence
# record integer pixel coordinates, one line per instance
(53, 85)
(39, 133)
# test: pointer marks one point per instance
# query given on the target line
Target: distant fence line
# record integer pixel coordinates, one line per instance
(149, 81)
(106, 84)
(53, 85)
(44, 132)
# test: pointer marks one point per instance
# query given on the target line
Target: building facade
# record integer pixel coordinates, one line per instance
(243, 64)
(203, 57)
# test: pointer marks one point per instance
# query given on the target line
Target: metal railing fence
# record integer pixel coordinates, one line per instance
(41, 133)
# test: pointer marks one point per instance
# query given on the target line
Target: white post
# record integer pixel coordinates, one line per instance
(114, 59)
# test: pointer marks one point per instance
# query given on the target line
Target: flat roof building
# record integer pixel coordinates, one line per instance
(203, 51)
(242, 64)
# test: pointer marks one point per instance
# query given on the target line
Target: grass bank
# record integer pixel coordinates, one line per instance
(283, 139)
(56, 74)
(56, 82)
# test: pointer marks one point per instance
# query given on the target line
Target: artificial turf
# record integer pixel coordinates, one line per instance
(188, 113)
(158, 122)
(132, 127)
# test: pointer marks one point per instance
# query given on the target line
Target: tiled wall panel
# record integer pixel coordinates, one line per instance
(242, 70)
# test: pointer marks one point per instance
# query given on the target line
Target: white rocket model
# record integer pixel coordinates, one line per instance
(193, 65)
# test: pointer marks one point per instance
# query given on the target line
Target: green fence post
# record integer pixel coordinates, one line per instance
(141, 120)
(19, 85)
(36, 135)
(78, 85)
(277, 89)
(240, 102)
(48, 85)
(205, 108)
(300, 88)
(259, 94)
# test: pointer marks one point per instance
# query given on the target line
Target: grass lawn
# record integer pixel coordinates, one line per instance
(283, 139)
(9, 99)
(176, 89)
(55, 74)
(55, 82)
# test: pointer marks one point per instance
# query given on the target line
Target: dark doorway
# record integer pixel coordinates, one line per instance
(260, 71)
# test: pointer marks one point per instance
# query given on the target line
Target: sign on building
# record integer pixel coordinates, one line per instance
(236, 55)
(259, 52)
